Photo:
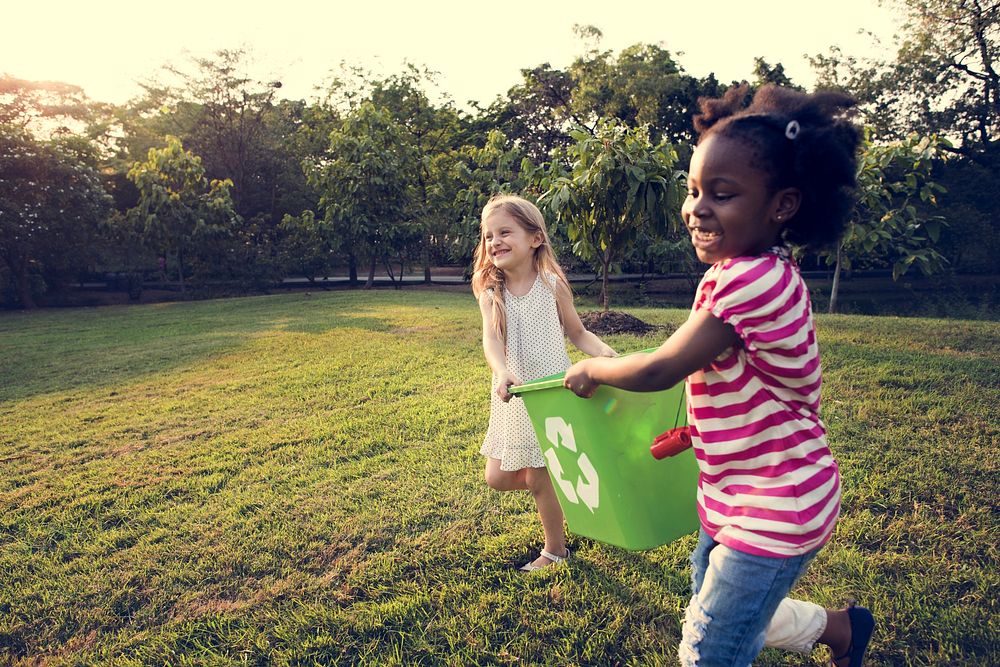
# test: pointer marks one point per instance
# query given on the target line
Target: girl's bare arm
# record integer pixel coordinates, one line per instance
(493, 349)
(585, 341)
(698, 341)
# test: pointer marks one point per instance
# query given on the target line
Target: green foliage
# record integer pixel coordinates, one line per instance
(943, 81)
(765, 73)
(233, 122)
(499, 166)
(42, 108)
(365, 181)
(230, 120)
(179, 207)
(440, 165)
(242, 482)
(891, 222)
(972, 241)
(534, 112)
(306, 245)
(642, 85)
(946, 71)
(52, 202)
(618, 187)
(433, 133)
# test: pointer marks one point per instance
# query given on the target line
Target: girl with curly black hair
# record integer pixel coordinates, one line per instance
(776, 173)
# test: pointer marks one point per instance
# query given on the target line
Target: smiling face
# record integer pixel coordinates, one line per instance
(731, 209)
(509, 244)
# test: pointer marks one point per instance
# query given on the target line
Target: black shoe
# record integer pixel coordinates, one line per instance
(862, 626)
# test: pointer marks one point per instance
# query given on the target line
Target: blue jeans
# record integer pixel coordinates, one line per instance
(734, 597)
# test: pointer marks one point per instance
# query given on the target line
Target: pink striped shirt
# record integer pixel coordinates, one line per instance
(768, 484)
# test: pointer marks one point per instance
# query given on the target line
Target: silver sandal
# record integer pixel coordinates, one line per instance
(531, 567)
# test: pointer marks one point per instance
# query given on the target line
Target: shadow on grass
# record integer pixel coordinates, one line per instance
(55, 351)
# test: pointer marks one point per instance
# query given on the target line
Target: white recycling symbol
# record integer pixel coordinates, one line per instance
(559, 433)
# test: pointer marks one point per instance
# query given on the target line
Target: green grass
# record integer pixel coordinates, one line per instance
(296, 480)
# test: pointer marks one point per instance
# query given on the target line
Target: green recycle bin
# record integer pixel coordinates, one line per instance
(597, 451)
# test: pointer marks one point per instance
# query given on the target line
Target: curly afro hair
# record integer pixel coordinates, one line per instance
(817, 154)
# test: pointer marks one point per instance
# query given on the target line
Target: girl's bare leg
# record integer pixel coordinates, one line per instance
(540, 485)
(504, 480)
(837, 635)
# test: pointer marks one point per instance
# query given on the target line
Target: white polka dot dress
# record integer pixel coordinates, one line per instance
(536, 347)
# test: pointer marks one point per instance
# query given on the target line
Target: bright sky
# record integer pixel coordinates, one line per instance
(478, 48)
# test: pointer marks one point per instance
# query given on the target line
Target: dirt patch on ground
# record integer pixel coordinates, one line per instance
(616, 322)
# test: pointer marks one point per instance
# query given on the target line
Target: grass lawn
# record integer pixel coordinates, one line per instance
(295, 479)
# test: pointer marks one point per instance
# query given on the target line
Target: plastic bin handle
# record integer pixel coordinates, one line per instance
(553, 381)
(671, 442)
(536, 385)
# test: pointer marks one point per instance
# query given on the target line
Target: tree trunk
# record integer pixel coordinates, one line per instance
(352, 268)
(427, 266)
(371, 273)
(605, 262)
(835, 289)
(23, 283)
(691, 274)
(180, 272)
(392, 276)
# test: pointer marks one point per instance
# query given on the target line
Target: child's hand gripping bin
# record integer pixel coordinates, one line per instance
(597, 451)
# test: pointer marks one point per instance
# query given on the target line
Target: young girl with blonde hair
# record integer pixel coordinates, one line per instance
(527, 309)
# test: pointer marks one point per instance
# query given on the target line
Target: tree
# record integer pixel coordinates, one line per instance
(944, 79)
(619, 184)
(42, 108)
(864, 80)
(430, 131)
(888, 221)
(536, 113)
(51, 205)
(764, 73)
(224, 115)
(948, 68)
(643, 84)
(971, 241)
(497, 167)
(229, 117)
(365, 182)
(178, 206)
(942, 82)
(306, 245)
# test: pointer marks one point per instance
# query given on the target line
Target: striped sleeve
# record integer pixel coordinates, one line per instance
(758, 298)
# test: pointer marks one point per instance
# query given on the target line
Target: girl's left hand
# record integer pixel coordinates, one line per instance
(606, 351)
(504, 381)
(578, 379)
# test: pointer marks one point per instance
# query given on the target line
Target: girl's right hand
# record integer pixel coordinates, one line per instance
(578, 379)
(505, 380)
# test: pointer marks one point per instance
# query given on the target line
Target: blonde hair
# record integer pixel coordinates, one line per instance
(486, 277)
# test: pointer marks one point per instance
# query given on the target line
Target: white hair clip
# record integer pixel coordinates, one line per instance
(792, 129)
